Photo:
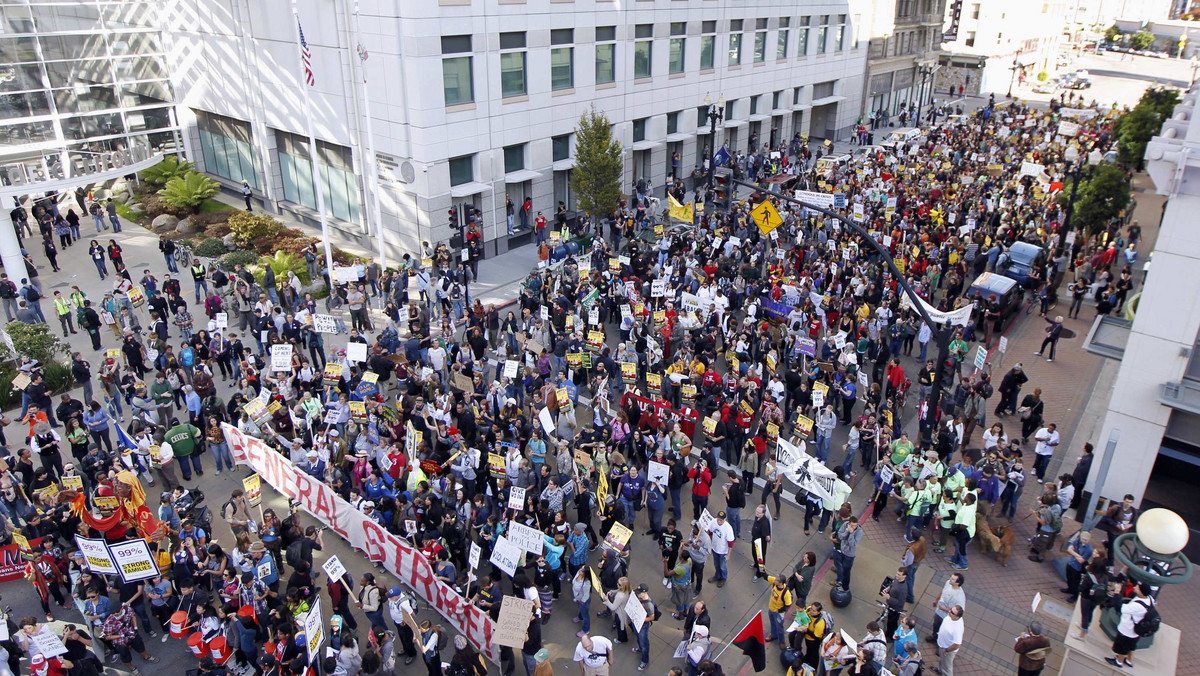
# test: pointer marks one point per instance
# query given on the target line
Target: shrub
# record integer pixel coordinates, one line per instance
(281, 263)
(58, 377)
(205, 219)
(217, 230)
(170, 167)
(8, 396)
(189, 191)
(210, 248)
(249, 228)
(1043, 76)
(155, 206)
(239, 257)
(36, 342)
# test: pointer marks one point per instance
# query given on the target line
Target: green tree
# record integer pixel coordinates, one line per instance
(1161, 100)
(170, 167)
(596, 179)
(248, 228)
(1111, 33)
(1100, 199)
(1141, 40)
(189, 191)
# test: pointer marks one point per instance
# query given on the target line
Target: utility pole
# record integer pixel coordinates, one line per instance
(942, 335)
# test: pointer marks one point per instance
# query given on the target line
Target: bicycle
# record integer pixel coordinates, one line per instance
(183, 255)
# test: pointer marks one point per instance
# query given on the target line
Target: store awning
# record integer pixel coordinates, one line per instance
(802, 106)
(564, 165)
(468, 189)
(681, 136)
(646, 145)
(759, 118)
(522, 176)
(734, 124)
(824, 101)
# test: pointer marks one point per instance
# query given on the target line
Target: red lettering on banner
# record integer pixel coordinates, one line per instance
(396, 554)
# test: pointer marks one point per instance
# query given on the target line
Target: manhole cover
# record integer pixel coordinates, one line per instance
(1057, 609)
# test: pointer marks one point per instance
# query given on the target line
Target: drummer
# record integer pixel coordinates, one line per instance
(158, 590)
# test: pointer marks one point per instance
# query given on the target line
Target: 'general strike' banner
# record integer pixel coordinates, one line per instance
(400, 558)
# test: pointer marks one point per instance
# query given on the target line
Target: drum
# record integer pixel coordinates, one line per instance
(221, 652)
(178, 622)
(196, 644)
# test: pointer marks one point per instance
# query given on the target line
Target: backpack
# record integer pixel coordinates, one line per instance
(443, 637)
(1148, 625)
(987, 391)
(457, 670)
(1056, 518)
(292, 557)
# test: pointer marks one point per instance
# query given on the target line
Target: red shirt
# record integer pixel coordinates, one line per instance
(541, 222)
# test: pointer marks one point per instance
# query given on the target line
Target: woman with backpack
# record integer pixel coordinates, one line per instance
(430, 637)
(1093, 593)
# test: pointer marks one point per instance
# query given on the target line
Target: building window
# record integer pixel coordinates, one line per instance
(782, 45)
(776, 100)
(673, 122)
(678, 46)
(754, 104)
(606, 54)
(975, 11)
(760, 41)
(708, 44)
(729, 108)
(857, 22)
(822, 33)
(796, 96)
(802, 37)
(227, 147)
(643, 50)
(702, 117)
(562, 58)
(561, 147)
(337, 175)
(839, 35)
(456, 70)
(512, 64)
(462, 170)
(639, 130)
(970, 38)
(735, 42)
(514, 158)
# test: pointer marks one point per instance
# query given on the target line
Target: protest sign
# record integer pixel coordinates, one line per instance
(356, 352)
(516, 498)
(281, 357)
(658, 473)
(525, 537)
(333, 568)
(618, 537)
(505, 555)
(95, 553)
(635, 611)
(252, 485)
(513, 622)
(324, 323)
(314, 630)
(134, 560)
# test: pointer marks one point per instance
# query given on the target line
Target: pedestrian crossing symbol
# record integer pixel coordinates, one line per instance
(766, 217)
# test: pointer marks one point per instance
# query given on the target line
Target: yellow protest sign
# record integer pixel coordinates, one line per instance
(252, 485)
(496, 465)
(358, 410)
(629, 372)
(710, 426)
(654, 382)
(106, 503)
(804, 424)
(618, 537)
(72, 483)
(766, 217)
(688, 391)
(21, 542)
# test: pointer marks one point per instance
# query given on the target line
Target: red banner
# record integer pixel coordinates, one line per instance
(12, 566)
(397, 556)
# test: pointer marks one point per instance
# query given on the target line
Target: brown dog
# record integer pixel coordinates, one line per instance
(999, 539)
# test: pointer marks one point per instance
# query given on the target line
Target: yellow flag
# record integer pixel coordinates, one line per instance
(678, 211)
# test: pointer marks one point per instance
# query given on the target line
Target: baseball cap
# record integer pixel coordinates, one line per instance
(641, 589)
(394, 592)
(721, 514)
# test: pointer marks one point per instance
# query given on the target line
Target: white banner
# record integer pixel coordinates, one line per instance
(397, 556)
(817, 199)
(1066, 128)
(808, 473)
(134, 560)
(959, 317)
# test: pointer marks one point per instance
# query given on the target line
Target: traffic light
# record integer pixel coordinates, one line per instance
(722, 189)
(453, 217)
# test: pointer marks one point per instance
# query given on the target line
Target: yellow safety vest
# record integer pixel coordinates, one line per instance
(63, 306)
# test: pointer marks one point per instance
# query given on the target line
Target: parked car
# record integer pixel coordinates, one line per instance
(1079, 83)
(1023, 257)
(990, 286)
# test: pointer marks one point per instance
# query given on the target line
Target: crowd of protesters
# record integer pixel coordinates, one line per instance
(648, 372)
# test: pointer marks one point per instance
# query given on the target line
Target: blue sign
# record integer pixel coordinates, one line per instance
(806, 346)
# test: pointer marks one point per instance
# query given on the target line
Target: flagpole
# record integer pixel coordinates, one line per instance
(372, 161)
(318, 184)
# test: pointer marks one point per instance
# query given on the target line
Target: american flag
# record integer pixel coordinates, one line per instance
(306, 57)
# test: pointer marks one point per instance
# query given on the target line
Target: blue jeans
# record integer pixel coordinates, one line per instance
(171, 265)
(585, 616)
(630, 514)
(272, 293)
(116, 222)
(186, 469)
(100, 223)
(924, 348)
(643, 643)
(376, 618)
(912, 523)
(201, 284)
(961, 540)
(676, 503)
(699, 504)
(843, 564)
(823, 447)
(541, 235)
(221, 456)
(101, 267)
(531, 662)
(911, 575)
(735, 521)
(722, 571)
(776, 625)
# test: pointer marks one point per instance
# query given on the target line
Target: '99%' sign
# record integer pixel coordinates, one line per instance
(134, 560)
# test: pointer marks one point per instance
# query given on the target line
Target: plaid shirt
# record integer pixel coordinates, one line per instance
(120, 626)
(249, 595)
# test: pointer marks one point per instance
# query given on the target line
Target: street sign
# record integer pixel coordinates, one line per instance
(1003, 344)
(766, 217)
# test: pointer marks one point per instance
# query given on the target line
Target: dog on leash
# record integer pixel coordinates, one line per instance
(999, 539)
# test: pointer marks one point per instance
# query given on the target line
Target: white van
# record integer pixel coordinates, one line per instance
(902, 136)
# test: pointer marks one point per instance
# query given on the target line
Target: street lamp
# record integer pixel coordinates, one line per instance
(715, 113)
(1153, 554)
(925, 70)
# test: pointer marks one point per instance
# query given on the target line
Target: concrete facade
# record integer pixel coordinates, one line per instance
(239, 59)
(905, 41)
(995, 37)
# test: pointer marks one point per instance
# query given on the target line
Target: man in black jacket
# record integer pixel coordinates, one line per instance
(82, 372)
(1010, 390)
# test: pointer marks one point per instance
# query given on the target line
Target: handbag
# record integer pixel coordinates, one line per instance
(1024, 412)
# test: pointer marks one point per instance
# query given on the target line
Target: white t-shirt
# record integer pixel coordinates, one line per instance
(1131, 613)
(1051, 441)
(721, 536)
(951, 632)
(598, 656)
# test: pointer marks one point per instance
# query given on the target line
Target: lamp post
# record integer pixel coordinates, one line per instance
(1152, 554)
(1075, 171)
(1015, 65)
(715, 113)
(925, 70)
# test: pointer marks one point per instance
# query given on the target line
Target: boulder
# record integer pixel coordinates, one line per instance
(227, 240)
(136, 206)
(315, 288)
(164, 223)
(103, 193)
(122, 198)
(186, 227)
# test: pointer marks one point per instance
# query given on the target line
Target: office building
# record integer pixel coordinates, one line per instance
(998, 41)
(902, 54)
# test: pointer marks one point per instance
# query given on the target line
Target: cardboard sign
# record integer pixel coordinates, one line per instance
(513, 622)
(281, 357)
(635, 611)
(134, 560)
(356, 352)
(516, 498)
(473, 557)
(505, 556)
(252, 485)
(95, 554)
(333, 568)
(22, 380)
(48, 643)
(324, 323)
(658, 473)
(528, 539)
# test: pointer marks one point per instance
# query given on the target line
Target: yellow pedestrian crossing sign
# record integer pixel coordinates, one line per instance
(766, 217)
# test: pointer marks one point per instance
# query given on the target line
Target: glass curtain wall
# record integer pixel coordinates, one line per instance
(227, 147)
(337, 174)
